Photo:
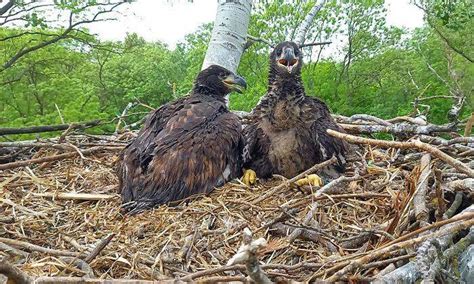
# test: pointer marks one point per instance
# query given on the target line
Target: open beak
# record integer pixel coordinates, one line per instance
(235, 83)
(288, 59)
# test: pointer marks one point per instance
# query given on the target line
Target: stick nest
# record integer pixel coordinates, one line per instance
(194, 241)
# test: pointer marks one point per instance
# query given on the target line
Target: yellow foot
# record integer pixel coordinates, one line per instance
(250, 177)
(313, 180)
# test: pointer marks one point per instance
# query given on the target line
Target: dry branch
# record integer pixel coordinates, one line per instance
(460, 166)
(397, 246)
(398, 129)
(247, 254)
(76, 196)
(311, 170)
(100, 246)
(149, 245)
(31, 247)
(48, 128)
(420, 196)
(13, 274)
(56, 157)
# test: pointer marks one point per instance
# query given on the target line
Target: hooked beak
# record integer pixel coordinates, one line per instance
(288, 59)
(235, 83)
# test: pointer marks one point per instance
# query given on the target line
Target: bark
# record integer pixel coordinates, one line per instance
(458, 165)
(48, 128)
(410, 272)
(6, 7)
(306, 24)
(419, 200)
(229, 34)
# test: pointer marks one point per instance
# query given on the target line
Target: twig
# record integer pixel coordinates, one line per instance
(388, 261)
(469, 124)
(55, 157)
(100, 246)
(257, 39)
(14, 274)
(463, 216)
(247, 254)
(76, 196)
(460, 166)
(13, 251)
(34, 145)
(397, 246)
(32, 247)
(398, 129)
(48, 128)
(315, 44)
(455, 206)
(307, 219)
(419, 198)
(285, 230)
(76, 280)
(311, 170)
(124, 112)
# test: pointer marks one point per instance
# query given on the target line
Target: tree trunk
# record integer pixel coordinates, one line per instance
(305, 25)
(229, 34)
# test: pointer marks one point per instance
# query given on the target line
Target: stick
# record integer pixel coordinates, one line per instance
(315, 44)
(31, 247)
(14, 274)
(398, 129)
(48, 128)
(76, 196)
(307, 219)
(100, 246)
(311, 170)
(284, 230)
(463, 216)
(397, 246)
(55, 157)
(460, 166)
(388, 261)
(33, 145)
(13, 251)
(469, 124)
(247, 254)
(81, 280)
(419, 198)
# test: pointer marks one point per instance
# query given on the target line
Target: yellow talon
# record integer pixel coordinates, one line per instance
(313, 180)
(250, 177)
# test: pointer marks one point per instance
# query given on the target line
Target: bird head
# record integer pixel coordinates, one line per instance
(220, 80)
(286, 58)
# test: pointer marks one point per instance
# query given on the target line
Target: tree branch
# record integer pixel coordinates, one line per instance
(460, 166)
(306, 24)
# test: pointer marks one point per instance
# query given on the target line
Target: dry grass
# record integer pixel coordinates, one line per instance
(169, 242)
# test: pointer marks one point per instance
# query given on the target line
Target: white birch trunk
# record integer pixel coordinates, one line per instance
(304, 27)
(229, 34)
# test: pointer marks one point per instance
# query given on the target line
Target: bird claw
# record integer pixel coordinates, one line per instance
(249, 178)
(312, 180)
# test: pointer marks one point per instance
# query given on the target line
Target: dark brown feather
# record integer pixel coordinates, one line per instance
(287, 130)
(186, 147)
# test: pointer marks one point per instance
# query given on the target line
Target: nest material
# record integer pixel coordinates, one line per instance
(308, 234)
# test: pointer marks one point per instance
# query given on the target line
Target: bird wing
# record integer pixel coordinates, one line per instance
(257, 143)
(317, 114)
(134, 159)
(196, 149)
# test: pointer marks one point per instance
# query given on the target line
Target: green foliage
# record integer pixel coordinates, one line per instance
(373, 68)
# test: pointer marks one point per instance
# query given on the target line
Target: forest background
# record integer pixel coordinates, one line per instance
(53, 74)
